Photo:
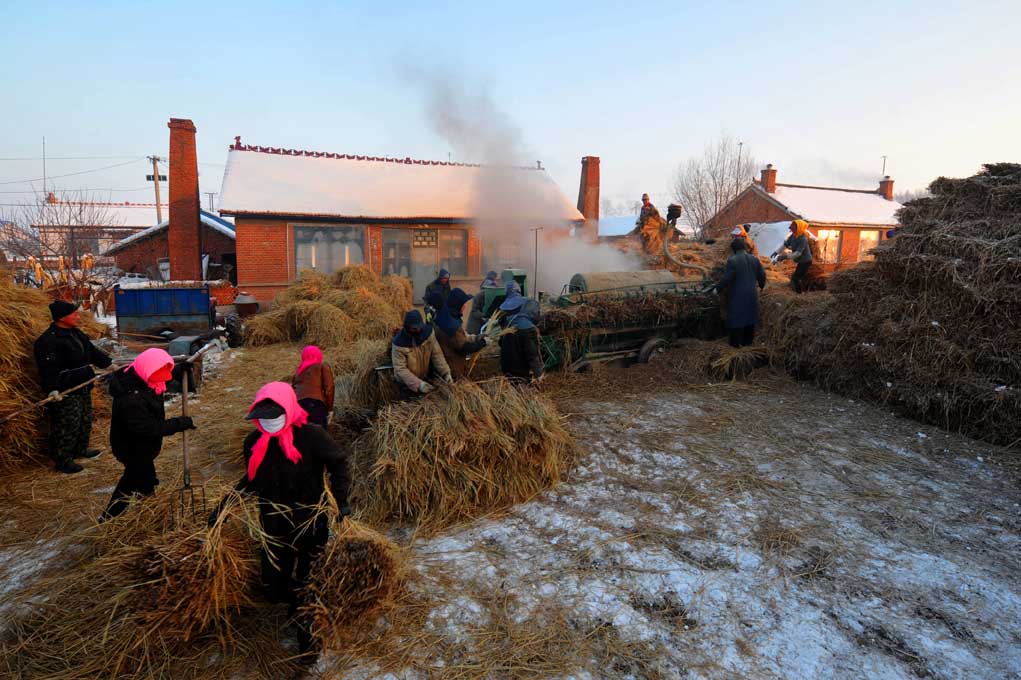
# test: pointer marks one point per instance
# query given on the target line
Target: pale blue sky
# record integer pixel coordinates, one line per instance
(820, 89)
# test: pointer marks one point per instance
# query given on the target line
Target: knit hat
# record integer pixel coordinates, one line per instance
(61, 308)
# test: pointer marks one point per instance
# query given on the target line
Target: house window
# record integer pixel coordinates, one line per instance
(867, 240)
(453, 251)
(328, 248)
(397, 252)
(829, 245)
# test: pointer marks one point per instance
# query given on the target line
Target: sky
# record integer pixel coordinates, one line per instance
(822, 90)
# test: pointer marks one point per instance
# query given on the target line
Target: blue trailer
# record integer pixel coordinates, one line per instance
(154, 311)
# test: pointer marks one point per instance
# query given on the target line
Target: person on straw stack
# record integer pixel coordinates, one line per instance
(313, 383)
(647, 212)
(138, 424)
(800, 253)
(285, 459)
(413, 352)
(455, 343)
(477, 316)
(743, 273)
(519, 343)
(64, 357)
(741, 231)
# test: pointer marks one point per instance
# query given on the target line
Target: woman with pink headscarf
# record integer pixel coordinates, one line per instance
(285, 459)
(313, 383)
(139, 424)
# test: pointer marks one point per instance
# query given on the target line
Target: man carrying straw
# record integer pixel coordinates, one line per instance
(455, 343)
(800, 253)
(413, 352)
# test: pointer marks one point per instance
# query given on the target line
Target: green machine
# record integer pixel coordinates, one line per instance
(494, 297)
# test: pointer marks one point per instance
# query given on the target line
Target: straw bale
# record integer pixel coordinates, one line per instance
(310, 285)
(267, 328)
(370, 389)
(328, 326)
(375, 318)
(398, 293)
(356, 276)
(459, 452)
(297, 315)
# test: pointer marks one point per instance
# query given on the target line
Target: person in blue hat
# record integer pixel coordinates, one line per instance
(456, 344)
(477, 316)
(519, 344)
(413, 352)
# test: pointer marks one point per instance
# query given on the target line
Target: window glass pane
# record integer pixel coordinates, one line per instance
(867, 240)
(327, 248)
(453, 251)
(397, 252)
(829, 245)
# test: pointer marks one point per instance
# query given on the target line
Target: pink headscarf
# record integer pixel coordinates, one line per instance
(283, 394)
(154, 366)
(310, 356)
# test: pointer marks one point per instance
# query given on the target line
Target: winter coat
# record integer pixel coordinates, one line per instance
(519, 350)
(411, 361)
(457, 347)
(477, 316)
(315, 382)
(436, 292)
(801, 252)
(138, 422)
(743, 273)
(279, 483)
(63, 357)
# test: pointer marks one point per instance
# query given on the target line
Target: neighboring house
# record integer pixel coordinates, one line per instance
(847, 222)
(74, 228)
(296, 210)
(143, 251)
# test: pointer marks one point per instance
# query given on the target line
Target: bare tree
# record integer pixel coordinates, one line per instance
(705, 184)
(611, 208)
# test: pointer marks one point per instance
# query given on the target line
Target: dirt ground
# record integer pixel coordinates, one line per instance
(750, 529)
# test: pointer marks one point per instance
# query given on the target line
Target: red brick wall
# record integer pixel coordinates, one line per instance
(185, 258)
(265, 255)
(143, 255)
(751, 207)
(588, 196)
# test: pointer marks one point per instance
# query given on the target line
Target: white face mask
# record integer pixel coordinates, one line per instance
(273, 425)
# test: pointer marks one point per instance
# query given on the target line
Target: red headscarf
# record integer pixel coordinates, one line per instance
(155, 367)
(295, 416)
(310, 356)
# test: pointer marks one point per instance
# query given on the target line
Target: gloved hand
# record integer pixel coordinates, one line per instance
(185, 423)
(448, 378)
(55, 396)
(425, 388)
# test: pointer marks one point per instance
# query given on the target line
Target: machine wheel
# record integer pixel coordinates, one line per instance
(235, 331)
(651, 348)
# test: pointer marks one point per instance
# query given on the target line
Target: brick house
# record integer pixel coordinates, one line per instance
(847, 222)
(143, 251)
(296, 210)
(74, 228)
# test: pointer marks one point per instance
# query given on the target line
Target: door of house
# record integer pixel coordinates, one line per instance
(424, 256)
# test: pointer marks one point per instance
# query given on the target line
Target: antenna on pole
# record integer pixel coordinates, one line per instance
(884, 166)
(44, 166)
(210, 194)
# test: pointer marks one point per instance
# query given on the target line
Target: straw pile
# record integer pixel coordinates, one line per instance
(459, 452)
(370, 389)
(932, 326)
(331, 310)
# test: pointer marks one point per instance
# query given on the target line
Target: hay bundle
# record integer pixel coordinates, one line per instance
(327, 326)
(310, 285)
(397, 291)
(355, 276)
(371, 389)
(459, 452)
(736, 363)
(268, 328)
(357, 576)
(373, 315)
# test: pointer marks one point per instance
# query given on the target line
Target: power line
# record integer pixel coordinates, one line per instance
(73, 174)
(64, 158)
(88, 189)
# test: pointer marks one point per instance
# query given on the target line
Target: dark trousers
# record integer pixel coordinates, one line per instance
(800, 272)
(139, 478)
(317, 411)
(70, 426)
(741, 337)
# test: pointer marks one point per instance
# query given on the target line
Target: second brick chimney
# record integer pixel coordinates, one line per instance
(183, 235)
(768, 179)
(588, 195)
(886, 188)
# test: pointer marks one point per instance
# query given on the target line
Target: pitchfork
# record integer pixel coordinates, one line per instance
(186, 493)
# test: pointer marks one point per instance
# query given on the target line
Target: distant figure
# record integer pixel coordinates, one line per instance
(477, 316)
(437, 291)
(741, 231)
(456, 344)
(800, 253)
(743, 273)
(313, 383)
(647, 212)
(413, 352)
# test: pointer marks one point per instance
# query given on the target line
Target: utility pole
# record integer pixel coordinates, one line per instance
(44, 167)
(884, 167)
(156, 184)
(210, 194)
(535, 284)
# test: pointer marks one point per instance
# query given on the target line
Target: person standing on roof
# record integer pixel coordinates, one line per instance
(800, 253)
(138, 424)
(64, 357)
(647, 212)
(455, 343)
(413, 352)
(520, 359)
(742, 274)
(477, 316)
(313, 383)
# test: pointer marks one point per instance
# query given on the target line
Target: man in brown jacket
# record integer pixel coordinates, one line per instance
(450, 333)
(413, 352)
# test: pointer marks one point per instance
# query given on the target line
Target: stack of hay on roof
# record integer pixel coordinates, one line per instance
(932, 325)
(331, 310)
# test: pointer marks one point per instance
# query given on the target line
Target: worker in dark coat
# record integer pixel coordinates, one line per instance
(64, 357)
(477, 316)
(437, 291)
(743, 273)
(285, 458)
(138, 425)
(800, 252)
(519, 343)
(455, 343)
(416, 355)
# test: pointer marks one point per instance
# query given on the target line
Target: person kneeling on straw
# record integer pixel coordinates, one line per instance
(285, 460)
(413, 352)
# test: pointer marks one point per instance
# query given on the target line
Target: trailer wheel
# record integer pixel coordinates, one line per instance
(235, 331)
(651, 348)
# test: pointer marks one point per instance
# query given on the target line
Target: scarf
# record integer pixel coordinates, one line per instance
(155, 367)
(310, 356)
(283, 395)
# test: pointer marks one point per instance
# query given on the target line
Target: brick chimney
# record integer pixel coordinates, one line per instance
(768, 179)
(183, 235)
(588, 196)
(886, 188)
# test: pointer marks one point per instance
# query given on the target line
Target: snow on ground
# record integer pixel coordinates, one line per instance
(839, 542)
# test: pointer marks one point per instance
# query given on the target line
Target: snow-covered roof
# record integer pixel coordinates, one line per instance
(834, 206)
(109, 214)
(260, 181)
(223, 225)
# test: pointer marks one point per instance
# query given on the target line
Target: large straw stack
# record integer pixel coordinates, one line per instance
(459, 452)
(932, 326)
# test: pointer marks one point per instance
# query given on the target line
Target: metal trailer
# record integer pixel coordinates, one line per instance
(155, 311)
